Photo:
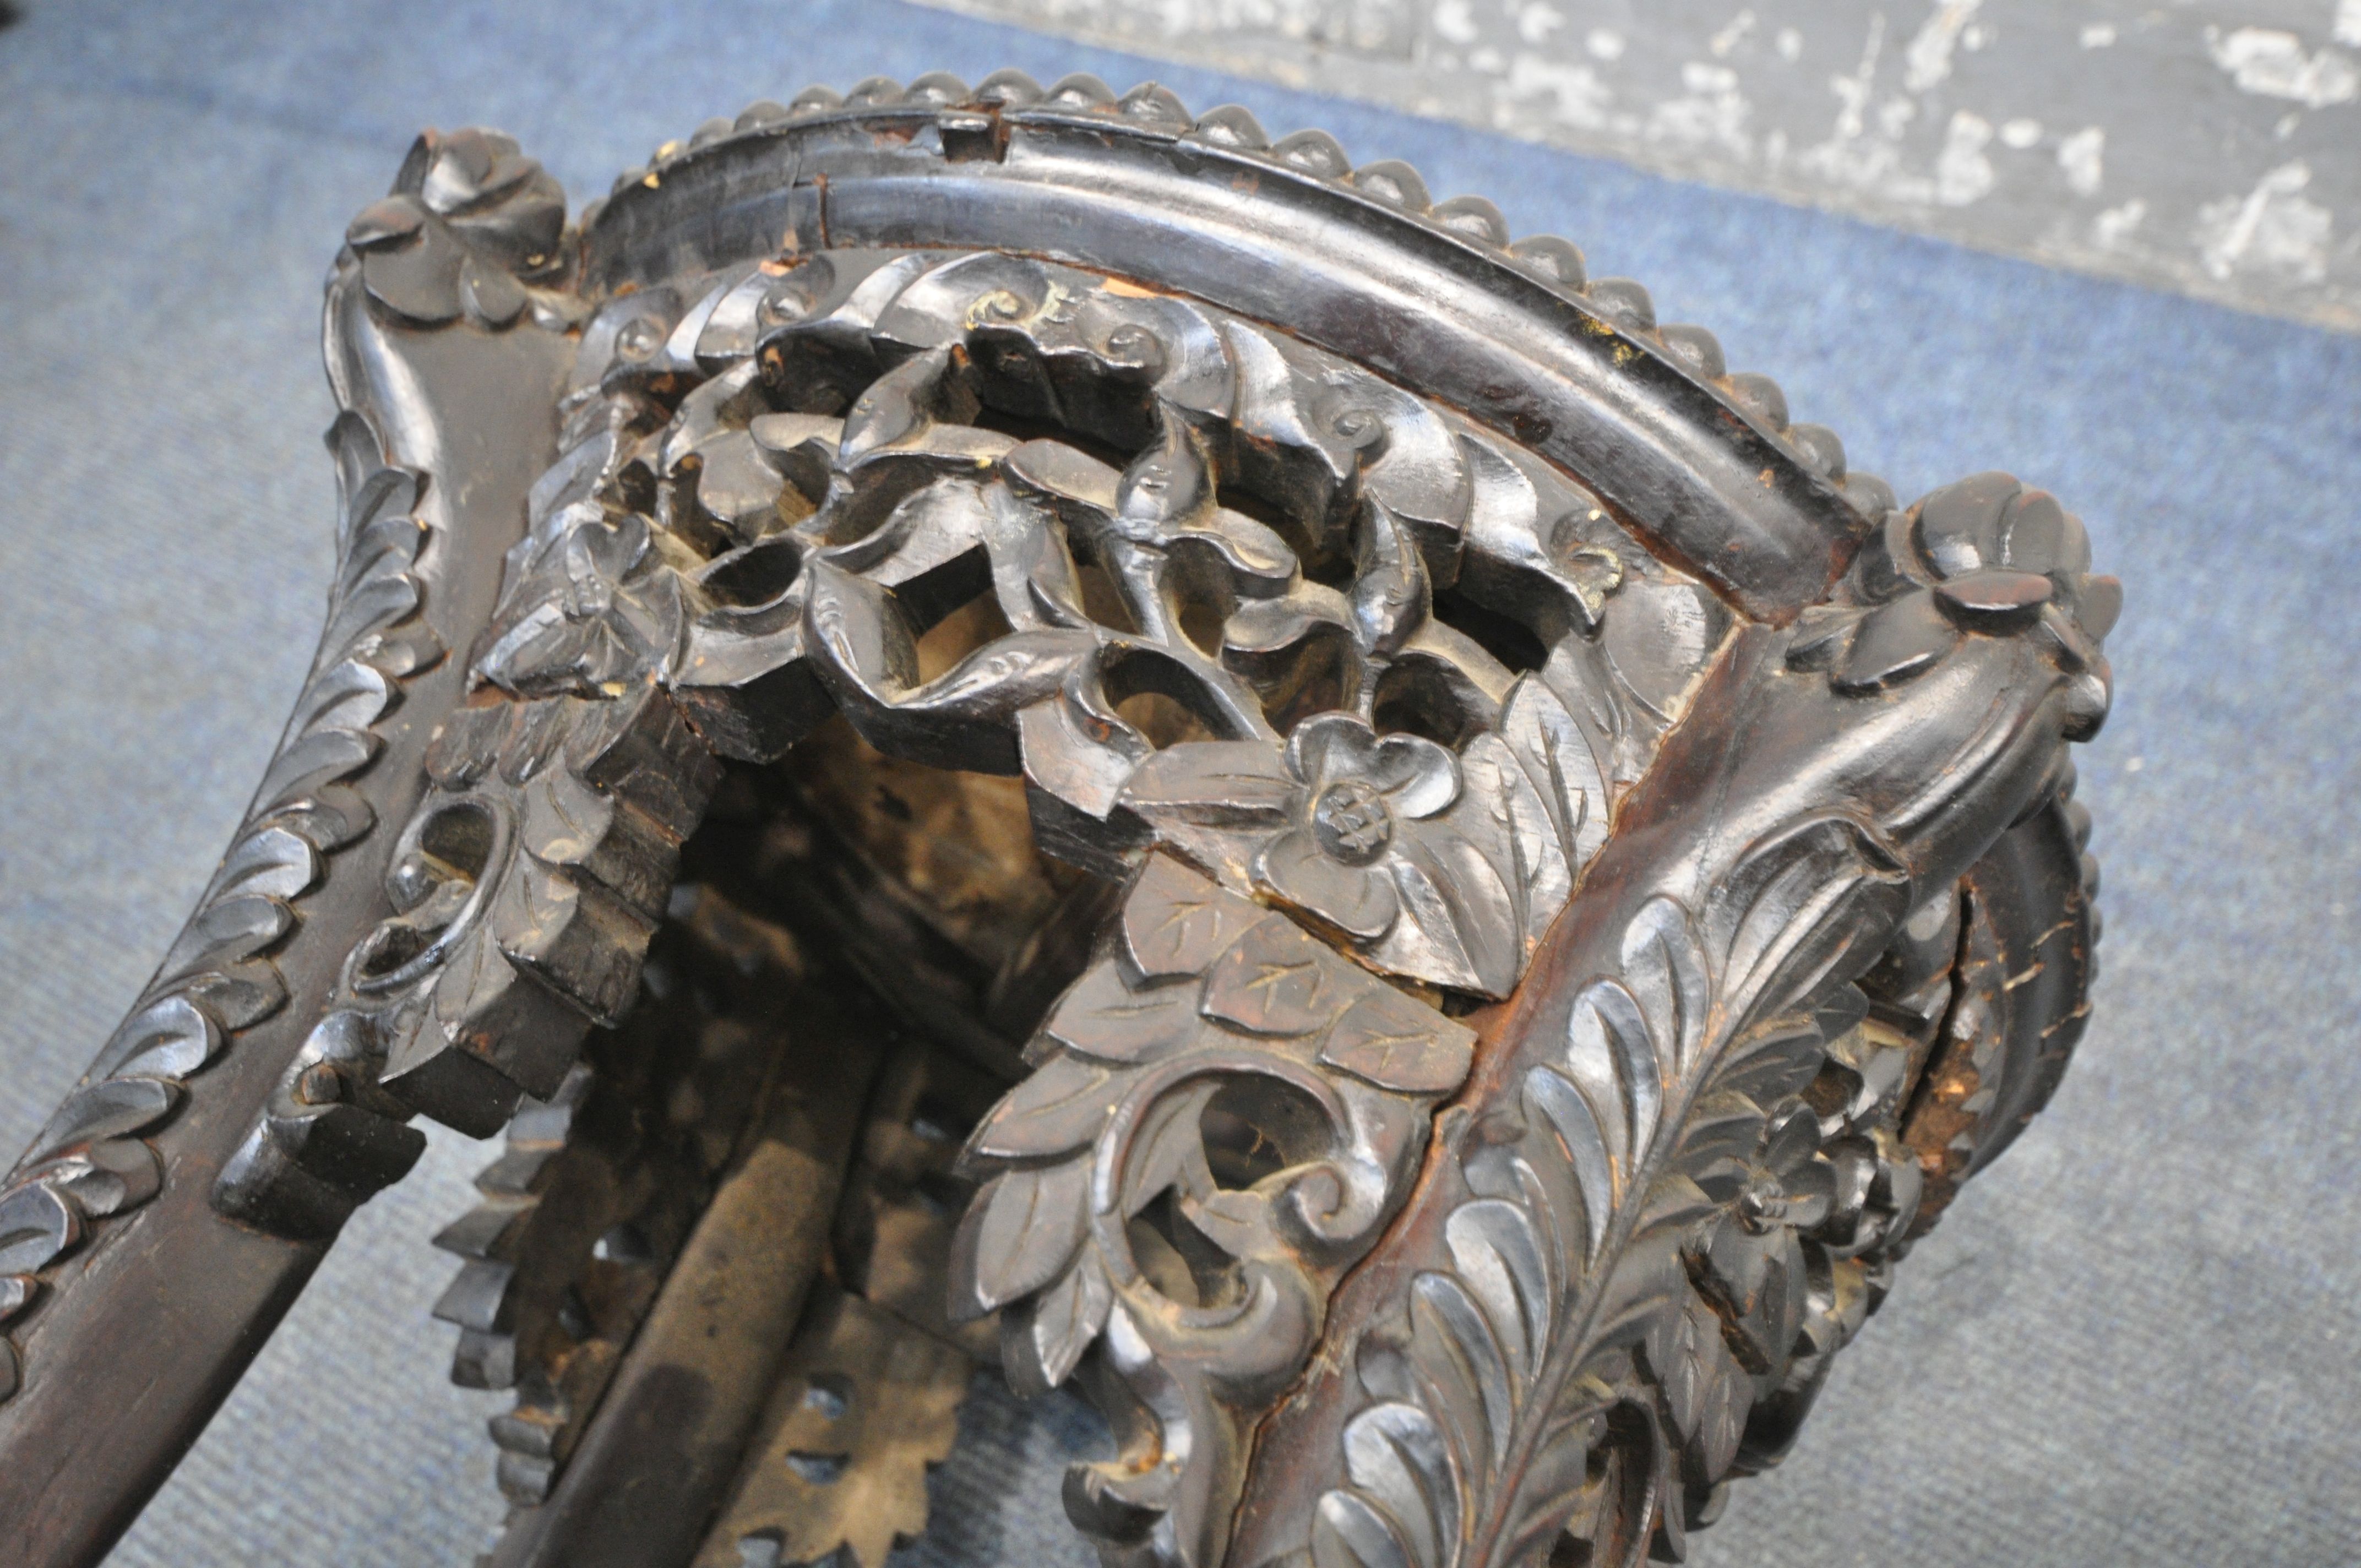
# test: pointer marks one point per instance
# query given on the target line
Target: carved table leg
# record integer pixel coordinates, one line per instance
(1444, 887)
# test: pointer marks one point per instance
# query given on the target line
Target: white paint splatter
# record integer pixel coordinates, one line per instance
(1851, 157)
(2272, 228)
(1604, 43)
(1962, 172)
(1976, 35)
(1456, 20)
(1571, 96)
(1853, 92)
(2273, 64)
(2287, 122)
(1711, 112)
(1731, 34)
(1536, 22)
(2083, 157)
(1927, 60)
(1488, 60)
(2116, 224)
(1790, 43)
(2347, 28)
(2098, 34)
(2020, 134)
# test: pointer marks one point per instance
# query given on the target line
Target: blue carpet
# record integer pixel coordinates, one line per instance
(2135, 1342)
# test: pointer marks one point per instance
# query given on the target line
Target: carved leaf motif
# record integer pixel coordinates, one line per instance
(170, 1038)
(1707, 1393)
(1273, 981)
(1556, 757)
(1225, 784)
(1077, 755)
(1392, 597)
(1397, 1043)
(380, 600)
(1790, 912)
(1538, 877)
(109, 1108)
(36, 1226)
(1168, 1151)
(1500, 1259)
(1177, 923)
(348, 695)
(271, 861)
(1568, 1134)
(1102, 1017)
(1459, 1354)
(1772, 1061)
(1020, 1233)
(1394, 1454)
(1590, 1159)
(1459, 926)
(1665, 968)
(1051, 1332)
(319, 758)
(1061, 1106)
(1611, 1060)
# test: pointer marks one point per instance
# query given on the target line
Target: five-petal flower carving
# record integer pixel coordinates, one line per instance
(1986, 555)
(1751, 1261)
(1361, 802)
(1435, 865)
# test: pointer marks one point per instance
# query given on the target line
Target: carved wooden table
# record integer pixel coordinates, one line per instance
(1008, 725)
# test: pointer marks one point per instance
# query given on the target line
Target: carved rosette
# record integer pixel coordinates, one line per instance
(1566, 943)
(1681, 1174)
(1384, 680)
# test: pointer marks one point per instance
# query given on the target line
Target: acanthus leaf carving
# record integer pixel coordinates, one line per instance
(1659, 1186)
(1228, 1177)
(94, 1162)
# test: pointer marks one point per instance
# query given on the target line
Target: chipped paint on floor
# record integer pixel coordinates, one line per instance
(2208, 145)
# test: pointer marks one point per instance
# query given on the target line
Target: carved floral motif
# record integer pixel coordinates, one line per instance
(1138, 1200)
(1652, 1243)
(1301, 654)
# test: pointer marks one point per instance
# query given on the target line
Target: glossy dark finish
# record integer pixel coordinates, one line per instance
(104, 1410)
(1342, 265)
(1521, 885)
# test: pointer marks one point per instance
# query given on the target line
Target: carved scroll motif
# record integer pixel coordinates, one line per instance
(1365, 708)
(708, 573)
(1220, 1116)
(1646, 1230)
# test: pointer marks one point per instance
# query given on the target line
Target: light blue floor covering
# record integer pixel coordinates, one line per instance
(2136, 1342)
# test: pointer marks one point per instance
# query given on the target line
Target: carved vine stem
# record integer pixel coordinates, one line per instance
(1605, 1275)
(1343, 684)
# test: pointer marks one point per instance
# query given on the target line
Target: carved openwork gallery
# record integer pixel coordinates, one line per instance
(1005, 725)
